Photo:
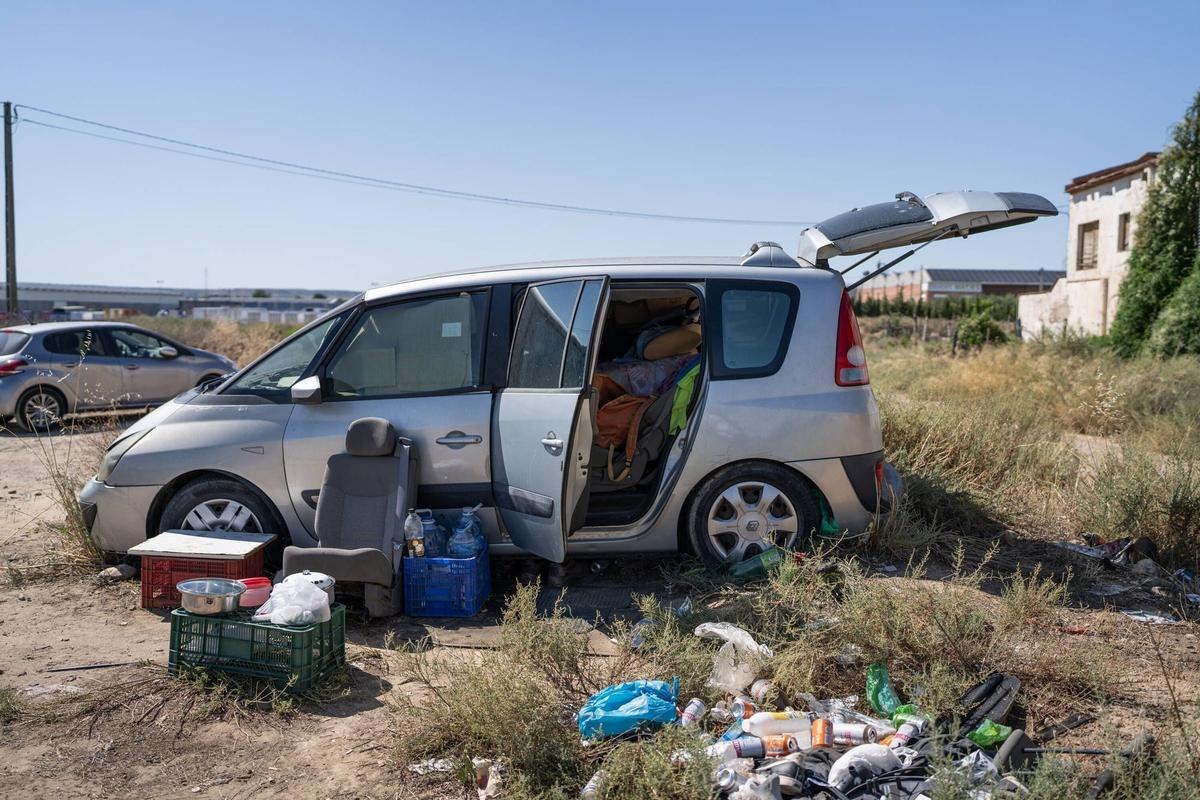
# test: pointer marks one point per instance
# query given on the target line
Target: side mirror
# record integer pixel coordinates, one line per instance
(166, 351)
(307, 391)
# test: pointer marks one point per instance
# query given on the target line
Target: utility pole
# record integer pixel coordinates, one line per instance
(10, 225)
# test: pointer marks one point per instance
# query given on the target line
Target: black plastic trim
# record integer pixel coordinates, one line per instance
(524, 501)
(455, 495)
(860, 470)
(713, 331)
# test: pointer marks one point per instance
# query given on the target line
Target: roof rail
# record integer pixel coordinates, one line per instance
(768, 254)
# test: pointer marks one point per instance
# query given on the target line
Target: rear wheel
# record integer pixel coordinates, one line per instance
(747, 508)
(222, 504)
(41, 409)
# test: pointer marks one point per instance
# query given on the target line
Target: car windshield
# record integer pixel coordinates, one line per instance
(276, 373)
(11, 342)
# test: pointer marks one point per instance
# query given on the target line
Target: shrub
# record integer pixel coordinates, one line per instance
(980, 329)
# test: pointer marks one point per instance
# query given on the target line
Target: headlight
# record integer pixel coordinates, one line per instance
(117, 449)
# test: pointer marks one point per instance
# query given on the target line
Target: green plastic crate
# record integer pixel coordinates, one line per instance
(295, 658)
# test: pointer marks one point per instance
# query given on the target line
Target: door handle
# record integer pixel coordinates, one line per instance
(552, 442)
(131, 366)
(457, 439)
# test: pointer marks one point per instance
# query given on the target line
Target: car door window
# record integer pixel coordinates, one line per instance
(540, 340)
(83, 342)
(420, 346)
(129, 343)
(276, 372)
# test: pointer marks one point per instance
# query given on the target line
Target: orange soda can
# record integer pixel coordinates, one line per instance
(822, 733)
(780, 744)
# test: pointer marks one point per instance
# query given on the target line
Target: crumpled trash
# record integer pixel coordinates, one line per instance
(989, 734)
(627, 706)
(737, 662)
(759, 787)
(487, 778)
(119, 572)
(432, 765)
(860, 763)
(1107, 589)
(1148, 616)
(1147, 568)
(294, 601)
(637, 634)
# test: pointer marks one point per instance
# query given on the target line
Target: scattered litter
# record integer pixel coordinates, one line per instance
(432, 765)
(1147, 568)
(859, 764)
(1148, 616)
(487, 778)
(738, 660)
(80, 667)
(1107, 589)
(1192, 598)
(629, 706)
(880, 693)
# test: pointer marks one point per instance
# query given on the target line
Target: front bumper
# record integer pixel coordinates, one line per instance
(116, 515)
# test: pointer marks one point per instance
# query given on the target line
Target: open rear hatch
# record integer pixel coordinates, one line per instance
(912, 220)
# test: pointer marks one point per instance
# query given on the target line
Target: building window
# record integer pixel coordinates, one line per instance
(1123, 232)
(1089, 238)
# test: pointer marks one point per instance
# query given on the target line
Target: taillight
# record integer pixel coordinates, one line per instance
(12, 366)
(851, 368)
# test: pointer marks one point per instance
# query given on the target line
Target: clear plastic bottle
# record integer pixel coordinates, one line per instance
(435, 534)
(767, 723)
(462, 544)
(414, 535)
(471, 522)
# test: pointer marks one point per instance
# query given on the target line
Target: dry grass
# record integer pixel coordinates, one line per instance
(243, 342)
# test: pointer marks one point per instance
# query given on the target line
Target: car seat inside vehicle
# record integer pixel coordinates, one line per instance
(646, 381)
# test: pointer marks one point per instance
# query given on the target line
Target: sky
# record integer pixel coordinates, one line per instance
(767, 111)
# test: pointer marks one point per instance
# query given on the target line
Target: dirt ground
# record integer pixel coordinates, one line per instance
(341, 748)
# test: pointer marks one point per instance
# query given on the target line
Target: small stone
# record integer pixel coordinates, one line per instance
(1009, 538)
(121, 572)
(23, 598)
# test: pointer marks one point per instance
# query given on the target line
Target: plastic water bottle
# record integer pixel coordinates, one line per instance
(471, 522)
(414, 534)
(462, 544)
(435, 534)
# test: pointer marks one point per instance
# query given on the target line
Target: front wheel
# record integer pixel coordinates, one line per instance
(221, 504)
(747, 508)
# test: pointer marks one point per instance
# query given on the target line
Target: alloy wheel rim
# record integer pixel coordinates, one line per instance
(42, 410)
(749, 517)
(222, 515)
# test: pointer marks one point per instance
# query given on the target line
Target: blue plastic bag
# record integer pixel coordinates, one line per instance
(628, 706)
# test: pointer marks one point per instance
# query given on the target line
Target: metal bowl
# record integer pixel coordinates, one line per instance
(209, 595)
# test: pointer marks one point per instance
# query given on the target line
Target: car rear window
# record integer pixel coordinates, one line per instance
(754, 322)
(11, 342)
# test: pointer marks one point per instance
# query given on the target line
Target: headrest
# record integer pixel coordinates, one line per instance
(370, 436)
(676, 342)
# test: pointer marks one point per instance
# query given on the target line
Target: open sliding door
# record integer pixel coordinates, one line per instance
(543, 420)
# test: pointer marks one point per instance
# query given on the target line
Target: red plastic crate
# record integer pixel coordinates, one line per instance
(160, 574)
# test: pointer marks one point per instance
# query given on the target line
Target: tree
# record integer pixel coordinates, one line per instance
(1164, 250)
(260, 293)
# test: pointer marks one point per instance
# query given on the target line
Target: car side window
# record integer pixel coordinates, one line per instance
(286, 364)
(420, 346)
(75, 343)
(755, 320)
(540, 340)
(129, 343)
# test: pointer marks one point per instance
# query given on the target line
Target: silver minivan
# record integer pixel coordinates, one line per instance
(592, 407)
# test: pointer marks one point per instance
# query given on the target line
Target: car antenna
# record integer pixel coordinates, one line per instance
(898, 259)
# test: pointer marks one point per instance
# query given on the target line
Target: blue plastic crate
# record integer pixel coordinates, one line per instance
(446, 587)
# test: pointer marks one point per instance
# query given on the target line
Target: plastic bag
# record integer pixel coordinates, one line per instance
(626, 706)
(861, 763)
(737, 662)
(294, 601)
(989, 734)
(880, 693)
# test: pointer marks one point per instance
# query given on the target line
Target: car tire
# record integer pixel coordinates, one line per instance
(41, 409)
(226, 504)
(745, 508)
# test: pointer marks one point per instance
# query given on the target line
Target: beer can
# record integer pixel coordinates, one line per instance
(594, 789)
(748, 747)
(907, 732)
(760, 690)
(728, 779)
(692, 712)
(743, 707)
(780, 744)
(852, 733)
(822, 733)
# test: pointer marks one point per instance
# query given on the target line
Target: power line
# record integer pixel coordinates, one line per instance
(279, 165)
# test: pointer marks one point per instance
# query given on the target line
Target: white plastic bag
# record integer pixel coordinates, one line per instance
(737, 662)
(295, 601)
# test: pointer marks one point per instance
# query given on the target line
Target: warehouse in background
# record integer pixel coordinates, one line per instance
(1103, 217)
(935, 284)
